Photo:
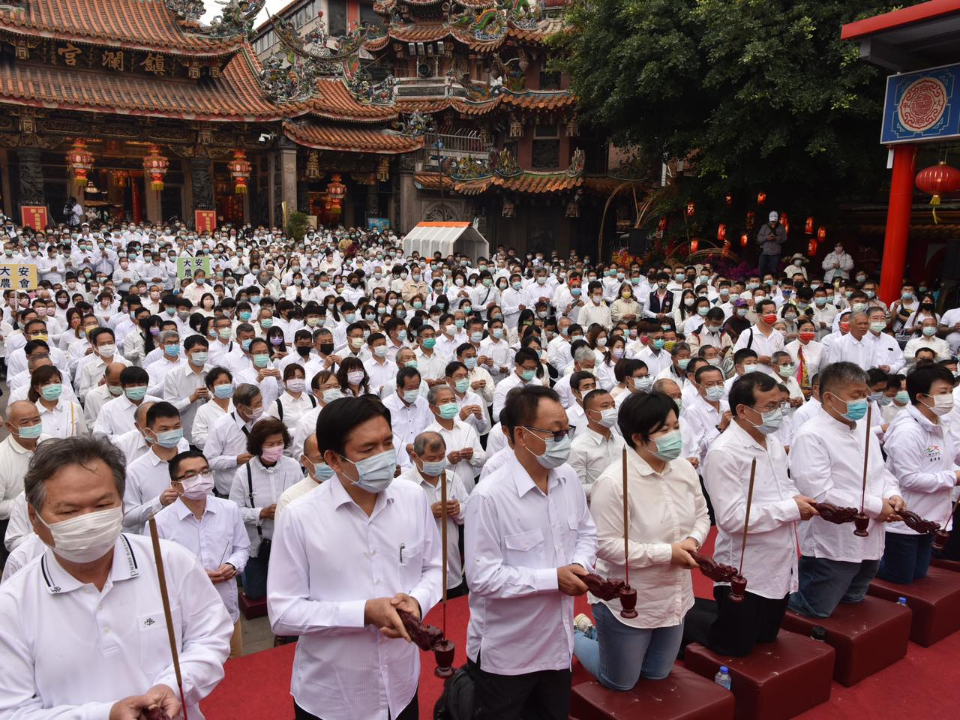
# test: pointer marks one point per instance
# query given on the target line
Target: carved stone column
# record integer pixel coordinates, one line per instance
(202, 183)
(373, 200)
(31, 176)
(288, 176)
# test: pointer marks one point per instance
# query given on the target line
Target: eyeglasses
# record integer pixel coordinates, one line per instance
(558, 435)
(190, 474)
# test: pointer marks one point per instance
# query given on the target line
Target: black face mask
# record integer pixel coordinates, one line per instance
(303, 351)
(326, 348)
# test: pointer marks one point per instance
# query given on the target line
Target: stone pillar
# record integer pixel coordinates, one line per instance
(288, 176)
(272, 187)
(5, 182)
(152, 201)
(202, 181)
(373, 200)
(31, 177)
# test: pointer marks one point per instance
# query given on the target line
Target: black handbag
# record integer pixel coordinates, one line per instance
(263, 552)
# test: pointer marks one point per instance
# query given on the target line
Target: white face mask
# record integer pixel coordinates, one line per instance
(88, 537)
(197, 488)
(942, 405)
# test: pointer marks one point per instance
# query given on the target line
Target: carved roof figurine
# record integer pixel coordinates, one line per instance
(236, 18)
(577, 161)
(416, 124)
(188, 10)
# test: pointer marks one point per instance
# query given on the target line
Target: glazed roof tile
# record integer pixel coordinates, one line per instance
(350, 139)
(530, 182)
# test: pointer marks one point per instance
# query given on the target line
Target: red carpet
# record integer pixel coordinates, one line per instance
(257, 686)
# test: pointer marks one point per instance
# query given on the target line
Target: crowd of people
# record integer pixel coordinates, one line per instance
(298, 419)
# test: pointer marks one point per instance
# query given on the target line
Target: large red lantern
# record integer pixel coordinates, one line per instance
(155, 165)
(821, 234)
(691, 208)
(785, 221)
(728, 199)
(336, 190)
(240, 169)
(761, 198)
(662, 224)
(722, 232)
(694, 245)
(938, 180)
(808, 226)
(744, 240)
(80, 161)
(812, 247)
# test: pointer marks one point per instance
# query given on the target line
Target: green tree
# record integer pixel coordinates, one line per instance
(760, 94)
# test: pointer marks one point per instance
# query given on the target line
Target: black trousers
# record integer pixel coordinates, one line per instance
(410, 712)
(543, 695)
(740, 626)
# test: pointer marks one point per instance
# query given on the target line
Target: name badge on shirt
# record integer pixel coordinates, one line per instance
(933, 453)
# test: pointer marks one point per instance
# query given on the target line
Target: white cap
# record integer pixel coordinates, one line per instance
(774, 217)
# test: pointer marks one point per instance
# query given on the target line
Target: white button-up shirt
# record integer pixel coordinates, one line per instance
(516, 538)
(328, 559)
(116, 416)
(849, 349)
(71, 651)
(762, 345)
(663, 509)
(383, 376)
(14, 460)
(218, 537)
(178, 385)
(455, 491)
(268, 484)
(206, 417)
(460, 437)
(923, 457)
(592, 453)
(886, 351)
(431, 367)
(701, 419)
(65, 420)
(158, 371)
(770, 562)
(408, 421)
(291, 409)
(826, 463)
(147, 477)
(226, 441)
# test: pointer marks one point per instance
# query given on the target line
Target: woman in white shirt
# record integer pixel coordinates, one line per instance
(294, 403)
(616, 351)
(257, 486)
(219, 382)
(668, 520)
(207, 303)
(61, 418)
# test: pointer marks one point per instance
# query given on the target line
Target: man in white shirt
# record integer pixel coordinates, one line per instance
(209, 527)
(707, 415)
(762, 337)
(185, 386)
(810, 408)
(90, 368)
(596, 311)
(464, 451)
(525, 372)
(596, 447)
(345, 559)
(409, 410)
(24, 425)
(116, 416)
(429, 473)
(107, 389)
(317, 472)
(771, 553)
(826, 464)
(99, 588)
(168, 342)
(522, 575)
(226, 447)
(928, 339)
(887, 354)
(430, 361)
(381, 371)
(854, 347)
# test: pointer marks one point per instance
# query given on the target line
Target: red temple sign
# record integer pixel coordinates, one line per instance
(34, 216)
(205, 220)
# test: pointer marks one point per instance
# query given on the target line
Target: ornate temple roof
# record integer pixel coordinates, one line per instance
(528, 182)
(334, 101)
(351, 139)
(532, 100)
(129, 24)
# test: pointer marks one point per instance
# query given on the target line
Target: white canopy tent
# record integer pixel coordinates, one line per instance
(447, 238)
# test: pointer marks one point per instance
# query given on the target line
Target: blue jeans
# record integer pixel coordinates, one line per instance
(824, 584)
(618, 655)
(905, 558)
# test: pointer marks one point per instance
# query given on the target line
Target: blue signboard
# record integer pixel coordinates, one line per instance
(922, 106)
(379, 224)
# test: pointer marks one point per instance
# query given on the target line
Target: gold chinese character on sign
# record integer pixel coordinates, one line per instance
(113, 59)
(69, 54)
(155, 63)
(194, 72)
(23, 51)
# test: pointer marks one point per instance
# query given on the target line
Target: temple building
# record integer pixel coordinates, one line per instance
(352, 112)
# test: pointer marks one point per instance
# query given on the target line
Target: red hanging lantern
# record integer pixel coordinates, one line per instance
(750, 218)
(785, 221)
(812, 247)
(156, 165)
(240, 169)
(821, 234)
(722, 232)
(728, 199)
(662, 225)
(80, 161)
(744, 240)
(938, 180)
(726, 247)
(336, 190)
(694, 245)
(761, 198)
(691, 208)
(808, 226)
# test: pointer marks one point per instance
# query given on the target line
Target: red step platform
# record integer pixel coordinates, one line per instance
(868, 636)
(946, 564)
(683, 695)
(252, 608)
(777, 681)
(935, 602)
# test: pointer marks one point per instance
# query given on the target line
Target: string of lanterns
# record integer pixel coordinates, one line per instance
(80, 161)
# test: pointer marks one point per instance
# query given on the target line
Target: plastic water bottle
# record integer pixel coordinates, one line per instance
(722, 678)
(902, 601)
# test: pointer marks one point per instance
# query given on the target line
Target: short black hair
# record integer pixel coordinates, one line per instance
(174, 465)
(643, 414)
(744, 389)
(215, 374)
(134, 376)
(920, 380)
(593, 395)
(578, 377)
(160, 410)
(193, 341)
(262, 430)
(742, 354)
(405, 373)
(521, 409)
(338, 419)
(701, 371)
(839, 374)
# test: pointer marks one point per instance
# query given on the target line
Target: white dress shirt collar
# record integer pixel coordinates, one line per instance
(125, 566)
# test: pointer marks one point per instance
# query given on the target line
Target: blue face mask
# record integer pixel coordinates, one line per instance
(529, 375)
(51, 392)
(433, 469)
(448, 411)
(170, 438)
(856, 409)
(902, 397)
(30, 433)
(171, 350)
(470, 363)
(658, 344)
(223, 391)
(136, 393)
(376, 472)
(669, 446)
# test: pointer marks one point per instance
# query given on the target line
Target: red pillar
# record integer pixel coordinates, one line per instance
(898, 222)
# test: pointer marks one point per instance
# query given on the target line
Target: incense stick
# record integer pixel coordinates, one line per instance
(443, 540)
(746, 520)
(866, 457)
(626, 522)
(165, 599)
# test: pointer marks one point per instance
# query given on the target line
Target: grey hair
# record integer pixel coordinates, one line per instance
(841, 374)
(661, 385)
(780, 354)
(84, 450)
(679, 347)
(245, 394)
(583, 353)
(428, 442)
(167, 335)
(875, 310)
(854, 316)
(436, 390)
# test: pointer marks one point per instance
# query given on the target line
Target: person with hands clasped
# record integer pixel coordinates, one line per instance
(826, 464)
(668, 520)
(346, 557)
(529, 538)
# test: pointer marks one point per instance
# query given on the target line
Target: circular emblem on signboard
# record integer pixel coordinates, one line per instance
(923, 104)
